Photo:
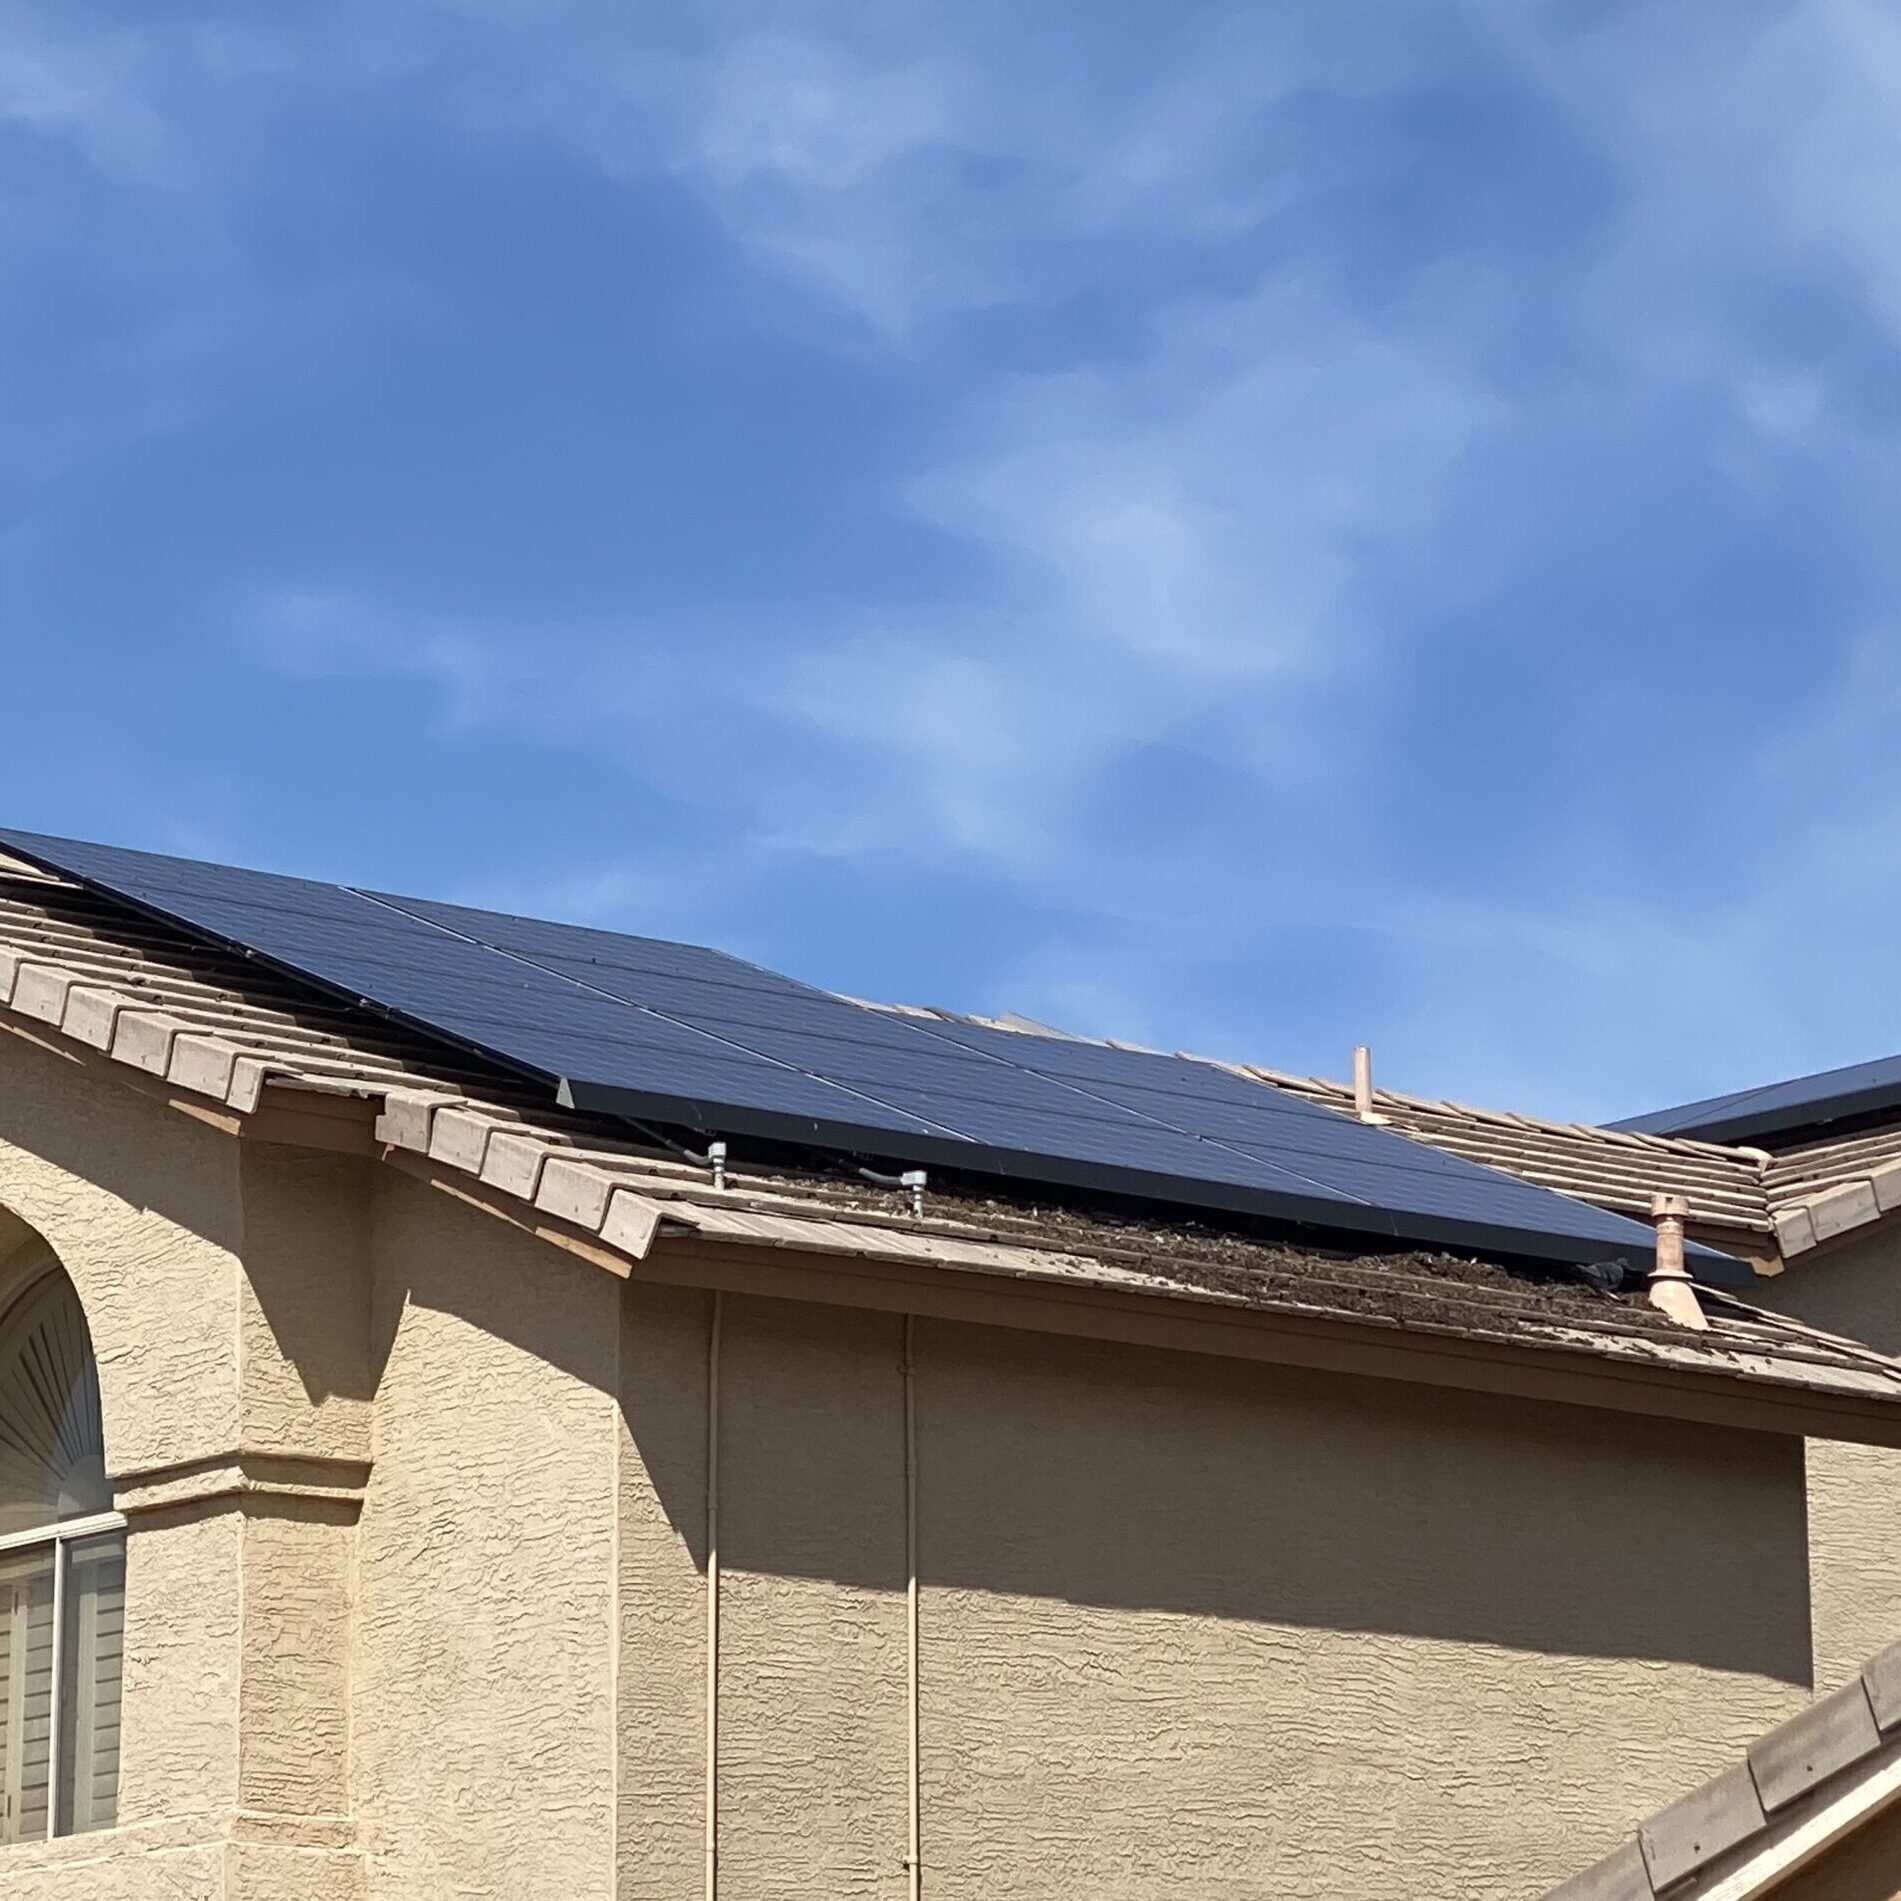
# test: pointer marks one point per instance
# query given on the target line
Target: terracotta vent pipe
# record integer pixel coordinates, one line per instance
(1671, 1289)
(1363, 1085)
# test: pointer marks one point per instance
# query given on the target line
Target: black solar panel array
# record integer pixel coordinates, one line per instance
(1779, 1109)
(639, 1027)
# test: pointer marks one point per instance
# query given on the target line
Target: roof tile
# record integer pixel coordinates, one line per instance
(1620, 1876)
(220, 1024)
(1881, 1677)
(1809, 1748)
(1698, 1827)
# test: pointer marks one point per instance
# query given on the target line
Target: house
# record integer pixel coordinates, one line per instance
(1803, 1181)
(424, 1473)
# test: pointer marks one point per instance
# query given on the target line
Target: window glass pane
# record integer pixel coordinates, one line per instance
(26, 1691)
(52, 1461)
(90, 1648)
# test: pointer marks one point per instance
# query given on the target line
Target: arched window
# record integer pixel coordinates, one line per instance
(62, 1570)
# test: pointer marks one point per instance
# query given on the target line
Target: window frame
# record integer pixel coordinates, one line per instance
(61, 1535)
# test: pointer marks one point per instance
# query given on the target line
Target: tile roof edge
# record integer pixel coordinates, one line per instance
(437, 1125)
(1799, 1790)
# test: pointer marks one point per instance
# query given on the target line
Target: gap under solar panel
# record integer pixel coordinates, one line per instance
(641, 1027)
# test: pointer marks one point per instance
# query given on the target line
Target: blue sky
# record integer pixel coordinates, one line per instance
(1250, 528)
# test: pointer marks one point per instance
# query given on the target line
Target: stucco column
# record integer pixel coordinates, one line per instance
(224, 1285)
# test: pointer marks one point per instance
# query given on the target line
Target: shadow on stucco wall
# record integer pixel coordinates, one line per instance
(1150, 1480)
(1048, 1468)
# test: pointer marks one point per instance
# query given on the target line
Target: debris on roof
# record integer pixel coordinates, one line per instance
(691, 1038)
(210, 1023)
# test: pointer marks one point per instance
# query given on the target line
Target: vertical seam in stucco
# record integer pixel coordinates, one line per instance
(240, 1254)
(914, 1856)
(618, 1425)
(712, 1597)
(352, 1645)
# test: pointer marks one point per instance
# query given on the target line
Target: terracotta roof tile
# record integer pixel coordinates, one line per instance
(212, 1023)
(1605, 1166)
(1799, 1789)
(1795, 1199)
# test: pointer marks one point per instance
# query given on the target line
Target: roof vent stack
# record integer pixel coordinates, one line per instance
(1671, 1289)
(1363, 1085)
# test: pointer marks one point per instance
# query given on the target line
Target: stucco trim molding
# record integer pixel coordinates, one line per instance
(126, 1859)
(247, 1479)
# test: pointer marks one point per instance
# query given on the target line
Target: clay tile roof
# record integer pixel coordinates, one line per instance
(1608, 1167)
(1797, 1790)
(1794, 1199)
(78, 971)
(1825, 1188)
(1723, 1185)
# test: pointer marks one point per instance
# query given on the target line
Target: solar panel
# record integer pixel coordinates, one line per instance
(1804, 1102)
(644, 1028)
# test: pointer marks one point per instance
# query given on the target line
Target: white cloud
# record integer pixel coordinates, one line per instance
(1177, 528)
(86, 89)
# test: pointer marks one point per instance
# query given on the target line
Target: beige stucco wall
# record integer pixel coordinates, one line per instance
(484, 1713)
(237, 1591)
(1852, 1288)
(1187, 1628)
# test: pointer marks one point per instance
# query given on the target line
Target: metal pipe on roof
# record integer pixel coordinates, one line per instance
(1363, 1085)
(914, 1181)
(1672, 1292)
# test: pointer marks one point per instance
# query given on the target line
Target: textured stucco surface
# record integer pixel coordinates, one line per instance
(145, 1212)
(813, 1737)
(294, 1712)
(304, 1303)
(1187, 1628)
(189, 1860)
(484, 1716)
(1855, 1536)
(439, 1678)
(1854, 1491)
(183, 1619)
(167, 1862)
(236, 1626)
(1196, 1630)
(661, 1674)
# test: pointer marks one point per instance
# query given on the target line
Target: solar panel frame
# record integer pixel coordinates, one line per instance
(1783, 1108)
(743, 1051)
(1441, 1189)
